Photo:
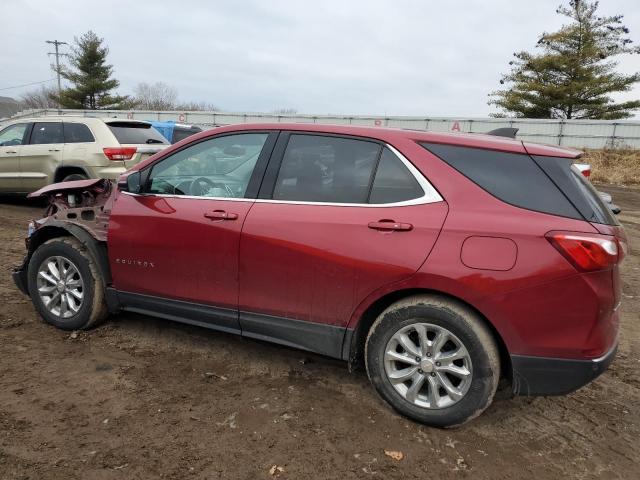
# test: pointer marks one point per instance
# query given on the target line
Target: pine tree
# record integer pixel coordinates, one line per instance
(90, 77)
(574, 75)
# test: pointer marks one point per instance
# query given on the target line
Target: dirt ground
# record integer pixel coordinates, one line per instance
(146, 398)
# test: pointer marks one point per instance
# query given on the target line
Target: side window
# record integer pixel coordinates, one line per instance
(13, 135)
(393, 181)
(48, 132)
(77, 133)
(514, 178)
(219, 167)
(316, 168)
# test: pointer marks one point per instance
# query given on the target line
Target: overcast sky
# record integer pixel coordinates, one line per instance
(394, 57)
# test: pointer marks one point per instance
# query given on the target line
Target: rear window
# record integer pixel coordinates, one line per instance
(512, 177)
(136, 133)
(579, 190)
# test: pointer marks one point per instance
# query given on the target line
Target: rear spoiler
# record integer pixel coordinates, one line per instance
(504, 132)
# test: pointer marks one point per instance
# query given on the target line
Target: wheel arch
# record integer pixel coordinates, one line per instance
(64, 170)
(56, 229)
(353, 350)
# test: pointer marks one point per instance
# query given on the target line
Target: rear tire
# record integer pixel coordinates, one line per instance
(74, 176)
(433, 360)
(65, 286)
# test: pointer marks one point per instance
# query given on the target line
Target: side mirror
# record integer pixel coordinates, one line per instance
(132, 183)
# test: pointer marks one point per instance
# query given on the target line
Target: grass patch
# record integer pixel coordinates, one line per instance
(621, 167)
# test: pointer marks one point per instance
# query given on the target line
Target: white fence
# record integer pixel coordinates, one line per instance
(570, 133)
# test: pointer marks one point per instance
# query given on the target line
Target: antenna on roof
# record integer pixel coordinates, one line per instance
(504, 132)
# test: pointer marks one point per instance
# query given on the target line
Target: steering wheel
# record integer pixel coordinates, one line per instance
(202, 184)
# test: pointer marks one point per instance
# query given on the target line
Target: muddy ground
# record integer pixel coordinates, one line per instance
(146, 398)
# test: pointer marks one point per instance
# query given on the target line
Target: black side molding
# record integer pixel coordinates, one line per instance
(555, 376)
(313, 337)
(504, 132)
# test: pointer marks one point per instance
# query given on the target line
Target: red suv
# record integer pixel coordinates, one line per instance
(442, 262)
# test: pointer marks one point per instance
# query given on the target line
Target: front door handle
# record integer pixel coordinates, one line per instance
(221, 215)
(390, 225)
(54, 149)
(11, 151)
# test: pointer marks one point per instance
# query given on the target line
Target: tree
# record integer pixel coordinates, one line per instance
(40, 98)
(285, 111)
(156, 96)
(91, 77)
(196, 106)
(574, 75)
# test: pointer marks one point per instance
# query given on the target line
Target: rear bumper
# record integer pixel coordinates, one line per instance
(556, 376)
(110, 172)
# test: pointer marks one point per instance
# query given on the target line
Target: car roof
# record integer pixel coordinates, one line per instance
(475, 140)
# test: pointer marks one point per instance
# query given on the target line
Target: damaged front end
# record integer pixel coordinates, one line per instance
(78, 208)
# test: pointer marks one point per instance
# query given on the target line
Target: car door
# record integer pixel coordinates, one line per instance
(338, 218)
(11, 140)
(42, 155)
(174, 247)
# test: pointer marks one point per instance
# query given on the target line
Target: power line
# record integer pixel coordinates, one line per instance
(56, 44)
(27, 84)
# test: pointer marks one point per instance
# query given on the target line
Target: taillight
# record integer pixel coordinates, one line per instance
(586, 252)
(119, 153)
(584, 168)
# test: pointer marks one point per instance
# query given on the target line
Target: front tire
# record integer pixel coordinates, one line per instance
(433, 360)
(65, 286)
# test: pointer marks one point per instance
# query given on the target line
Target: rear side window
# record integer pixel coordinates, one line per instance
(513, 178)
(316, 168)
(136, 133)
(77, 133)
(579, 190)
(46, 132)
(393, 181)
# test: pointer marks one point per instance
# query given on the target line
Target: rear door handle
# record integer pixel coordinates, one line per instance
(221, 215)
(11, 151)
(54, 149)
(390, 225)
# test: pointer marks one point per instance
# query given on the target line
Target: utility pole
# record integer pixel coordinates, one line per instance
(57, 44)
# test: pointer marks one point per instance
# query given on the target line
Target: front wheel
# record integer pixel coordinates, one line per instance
(65, 286)
(433, 360)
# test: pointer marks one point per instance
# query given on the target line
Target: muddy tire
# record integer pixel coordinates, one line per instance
(433, 360)
(65, 286)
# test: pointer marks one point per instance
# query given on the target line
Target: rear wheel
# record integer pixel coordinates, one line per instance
(64, 285)
(75, 176)
(433, 360)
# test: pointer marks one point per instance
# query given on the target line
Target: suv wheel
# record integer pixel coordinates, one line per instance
(74, 176)
(433, 360)
(64, 285)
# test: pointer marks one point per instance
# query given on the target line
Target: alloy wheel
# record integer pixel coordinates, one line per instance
(428, 365)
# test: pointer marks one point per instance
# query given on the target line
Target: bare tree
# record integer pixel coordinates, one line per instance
(285, 111)
(156, 96)
(196, 107)
(39, 98)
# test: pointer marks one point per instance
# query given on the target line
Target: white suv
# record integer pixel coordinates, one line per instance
(35, 152)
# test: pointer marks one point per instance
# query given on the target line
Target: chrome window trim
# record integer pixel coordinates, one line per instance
(431, 195)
